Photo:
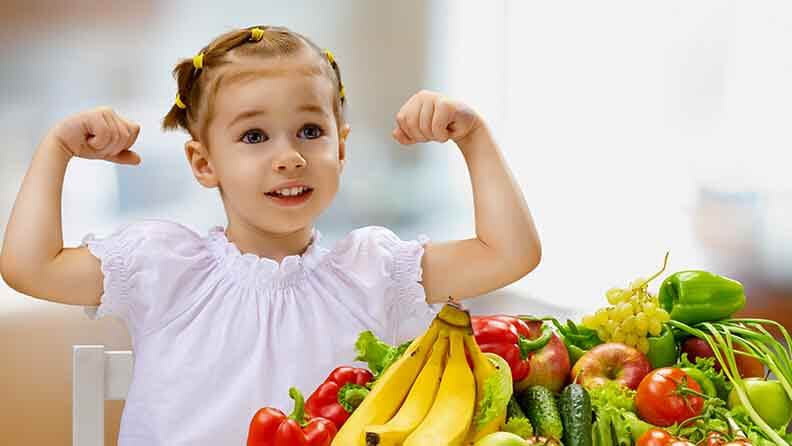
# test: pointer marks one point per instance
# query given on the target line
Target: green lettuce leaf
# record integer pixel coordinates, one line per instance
(376, 353)
(613, 394)
(707, 365)
(498, 390)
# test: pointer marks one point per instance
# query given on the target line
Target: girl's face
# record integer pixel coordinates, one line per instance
(274, 135)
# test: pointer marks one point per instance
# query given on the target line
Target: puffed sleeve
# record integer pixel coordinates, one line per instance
(391, 269)
(149, 268)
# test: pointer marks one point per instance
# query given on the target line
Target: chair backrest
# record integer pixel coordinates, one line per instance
(98, 375)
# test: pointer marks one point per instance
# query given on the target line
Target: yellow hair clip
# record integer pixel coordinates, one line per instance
(179, 102)
(341, 93)
(330, 57)
(256, 34)
(198, 61)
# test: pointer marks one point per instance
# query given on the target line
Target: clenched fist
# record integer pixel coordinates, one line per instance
(428, 116)
(97, 134)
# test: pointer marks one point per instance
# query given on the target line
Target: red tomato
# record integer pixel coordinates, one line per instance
(660, 402)
(655, 437)
(715, 439)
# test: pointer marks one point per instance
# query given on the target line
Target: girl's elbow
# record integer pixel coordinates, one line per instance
(530, 261)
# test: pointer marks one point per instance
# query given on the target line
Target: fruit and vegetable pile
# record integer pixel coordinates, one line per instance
(675, 368)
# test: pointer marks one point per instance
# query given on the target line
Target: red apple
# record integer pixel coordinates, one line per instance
(748, 367)
(549, 365)
(611, 362)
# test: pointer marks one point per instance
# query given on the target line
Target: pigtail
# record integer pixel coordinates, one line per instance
(178, 115)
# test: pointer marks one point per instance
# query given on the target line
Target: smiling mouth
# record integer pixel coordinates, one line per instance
(294, 196)
(290, 192)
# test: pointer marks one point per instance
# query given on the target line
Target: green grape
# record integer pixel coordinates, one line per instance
(589, 322)
(603, 334)
(636, 284)
(628, 323)
(631, 339)
(643, 345)
(600, 317)
(614, 295)
(610, 326)
(617, 335)
(649, 307)
(624, 310)
(655, 327)
(641, 324)
(663, 316)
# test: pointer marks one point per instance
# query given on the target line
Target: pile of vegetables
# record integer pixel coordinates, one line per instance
(668, 369)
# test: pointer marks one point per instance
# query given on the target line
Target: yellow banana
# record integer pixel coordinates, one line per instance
(417, 404)
(389, 390)
(456, 316)
(482, 370)
(448, 421)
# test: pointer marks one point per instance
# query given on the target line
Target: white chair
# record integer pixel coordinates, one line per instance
(98, 375)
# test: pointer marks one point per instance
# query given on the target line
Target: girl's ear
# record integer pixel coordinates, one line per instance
(342, 137)
(198, 157)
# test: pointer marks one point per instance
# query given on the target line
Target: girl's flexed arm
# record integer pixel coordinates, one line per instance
(506, 246)
(33, 260)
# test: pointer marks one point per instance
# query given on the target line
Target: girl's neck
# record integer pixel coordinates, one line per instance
(267, 244)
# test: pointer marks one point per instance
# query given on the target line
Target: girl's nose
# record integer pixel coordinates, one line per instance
(291, 160)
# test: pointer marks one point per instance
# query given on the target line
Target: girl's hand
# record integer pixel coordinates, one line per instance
(97, 134)
(428, 116)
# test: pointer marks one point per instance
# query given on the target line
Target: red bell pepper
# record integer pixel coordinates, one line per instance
(339, 395)
(512, 339)
(271, 427)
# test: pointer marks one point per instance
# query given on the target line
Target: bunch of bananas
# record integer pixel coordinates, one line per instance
(431, 396)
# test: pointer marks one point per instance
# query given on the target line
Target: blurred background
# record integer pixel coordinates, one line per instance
(634, 128)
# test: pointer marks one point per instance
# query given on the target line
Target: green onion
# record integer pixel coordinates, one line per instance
(756, 342)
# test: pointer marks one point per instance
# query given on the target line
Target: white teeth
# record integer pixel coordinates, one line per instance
(289, 192)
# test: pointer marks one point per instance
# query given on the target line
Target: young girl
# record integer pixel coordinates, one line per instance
(223, 324)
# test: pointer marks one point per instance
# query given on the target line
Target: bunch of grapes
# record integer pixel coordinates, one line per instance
(634, 315)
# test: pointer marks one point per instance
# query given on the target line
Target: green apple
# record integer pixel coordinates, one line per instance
(502, 439)
(769, 400)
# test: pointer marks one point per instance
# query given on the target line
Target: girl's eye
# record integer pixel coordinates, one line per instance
(254, 137)
(310, 131)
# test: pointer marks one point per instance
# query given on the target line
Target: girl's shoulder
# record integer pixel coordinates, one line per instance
(146, 236)
(375, 247)
(380, 236)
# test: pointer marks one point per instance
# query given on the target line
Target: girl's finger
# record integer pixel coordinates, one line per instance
(97, 131)
(125, 157)
(123, 135)
(413, 115)
(112, 130)
(401, 137)
(440, 120)
(134, 131)
(401, 119)
(425, 118)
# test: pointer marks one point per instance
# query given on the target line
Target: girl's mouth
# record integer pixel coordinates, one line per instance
(290, 196)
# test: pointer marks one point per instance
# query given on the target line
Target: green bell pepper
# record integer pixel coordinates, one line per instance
(576, 338)
(574, 351)
(663, 350)
(699, 296)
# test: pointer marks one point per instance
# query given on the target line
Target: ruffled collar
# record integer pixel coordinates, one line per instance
(257, 270)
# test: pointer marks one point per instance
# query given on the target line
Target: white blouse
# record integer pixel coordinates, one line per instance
(218, 334)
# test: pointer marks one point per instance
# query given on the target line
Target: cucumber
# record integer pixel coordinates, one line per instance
(539, 404)
(576, 414)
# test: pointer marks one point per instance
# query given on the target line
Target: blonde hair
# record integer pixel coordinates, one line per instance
(197, 92)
